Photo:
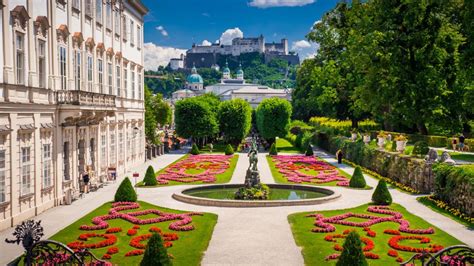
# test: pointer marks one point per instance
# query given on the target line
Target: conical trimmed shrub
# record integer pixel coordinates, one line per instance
(352, 254)
(309, 151)
(229, 150)
(381, 194)
(273, 149)
(125, 192)
(357, 179)
(195, 149)
(155, 253)
(150, 178)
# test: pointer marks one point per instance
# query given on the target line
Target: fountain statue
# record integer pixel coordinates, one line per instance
(252, 178)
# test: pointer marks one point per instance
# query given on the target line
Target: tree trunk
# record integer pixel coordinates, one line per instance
(355, 123)
(422, 128)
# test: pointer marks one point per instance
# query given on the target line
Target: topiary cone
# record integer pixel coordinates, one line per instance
(357, 179)
(352, 254)
(155, 253)
(273, 149)
(150, 178)
(125, 192)
(229, 150)
(195, 149)
(309, 151)
(381, 194)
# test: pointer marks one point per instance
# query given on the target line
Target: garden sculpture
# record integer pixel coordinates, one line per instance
(252, 178)
(432, 156)
(446, 158)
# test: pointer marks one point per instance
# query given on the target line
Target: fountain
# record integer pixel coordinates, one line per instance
(255, 194)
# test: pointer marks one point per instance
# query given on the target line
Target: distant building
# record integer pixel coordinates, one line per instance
(208, 55)
(229, 88)
(177, 63)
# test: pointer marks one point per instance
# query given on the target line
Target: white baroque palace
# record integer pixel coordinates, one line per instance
(71, 98)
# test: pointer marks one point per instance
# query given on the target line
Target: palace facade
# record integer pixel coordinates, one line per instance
(71, 99)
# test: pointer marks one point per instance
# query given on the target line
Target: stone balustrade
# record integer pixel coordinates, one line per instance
(76, 97)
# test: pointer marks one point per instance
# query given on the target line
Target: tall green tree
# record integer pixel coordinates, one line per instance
(273, 118)
(235, 119)
(194, 117)
(150, 117)
(161, 109)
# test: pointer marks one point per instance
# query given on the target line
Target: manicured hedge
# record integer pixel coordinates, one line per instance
(455, 186)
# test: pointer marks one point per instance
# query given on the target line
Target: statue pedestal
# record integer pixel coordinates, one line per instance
(252, 178)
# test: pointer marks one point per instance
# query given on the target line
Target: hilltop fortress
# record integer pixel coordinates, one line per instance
(209, 55)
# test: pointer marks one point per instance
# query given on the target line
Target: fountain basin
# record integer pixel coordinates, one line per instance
(282, 195)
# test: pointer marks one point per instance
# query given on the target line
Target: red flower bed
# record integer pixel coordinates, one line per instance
(292, 167)
(112, 250)
(136, 227)
(392, 253)
(391, 232)
(109, 241)
(106, 256)
(399, 259)
(182, 224)
(113, 230)
(155, 229)
(131, 232)
(167, 237)
(212, 165)
(371, 255)
(135, 252)
(393, 242)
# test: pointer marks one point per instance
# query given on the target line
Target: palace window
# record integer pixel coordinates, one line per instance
(100, 70)
(46, 165)
(89, 72)
(41, 63)
(139, 85)
(76, 4)
(133, 84)
(117, 76)
(134, 142)
(89, 8)
(98, 11)
(110, 77)
(2, 176)
(20, 58)
(112, 148)
(25, 166)
(125, 81)
(117, 22)
(77, 69)
(108, 15)
(92, 152)
(139, 37)
(128, 144)
(62, 66)
(132, 25)
(103, 148)
(67, 174)
(124, 28)
(121, 144)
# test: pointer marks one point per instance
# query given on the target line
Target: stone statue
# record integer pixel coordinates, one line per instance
(432, 156)
(446, 158)
(252, 178)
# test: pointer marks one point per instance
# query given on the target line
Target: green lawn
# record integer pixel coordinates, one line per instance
(219, 148)
(220, 178)
(460, 156)
(432, 205)
(316, 249)
(285, 146)
(279, 178)
(187, 250)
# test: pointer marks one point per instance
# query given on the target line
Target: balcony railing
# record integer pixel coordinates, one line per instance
(85, 98)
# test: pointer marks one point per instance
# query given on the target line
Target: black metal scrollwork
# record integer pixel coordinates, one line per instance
(458, 255)
(48, 252)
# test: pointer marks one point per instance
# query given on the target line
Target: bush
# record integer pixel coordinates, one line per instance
(155, 253)
(420, 148)
(125, 192)
(394, 146)
(273, 149)
(352, 253)
(309, 151)
(273, 118)
(381, 194)
(357, 179)
(195, 149)
(229, 150)
(150, 178)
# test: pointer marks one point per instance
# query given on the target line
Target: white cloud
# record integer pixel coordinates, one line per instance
(305, 49)
(206, 43)
(278, 3)
(159, 55)
(206, 14)
(162, 30)
(230, 34)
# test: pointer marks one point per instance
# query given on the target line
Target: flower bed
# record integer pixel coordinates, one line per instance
(196, 168)
(388, 234)
(307, 169)
(125, 228)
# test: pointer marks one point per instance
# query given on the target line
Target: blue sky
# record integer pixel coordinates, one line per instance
(174, 25)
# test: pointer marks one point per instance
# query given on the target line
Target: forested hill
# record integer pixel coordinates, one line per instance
(276, 73)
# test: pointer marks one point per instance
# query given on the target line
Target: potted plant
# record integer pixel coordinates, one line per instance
(354, 134)
(381, 139)
(401, 142)
(366, 138)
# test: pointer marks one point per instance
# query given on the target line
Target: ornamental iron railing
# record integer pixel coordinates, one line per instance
(458, 255)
